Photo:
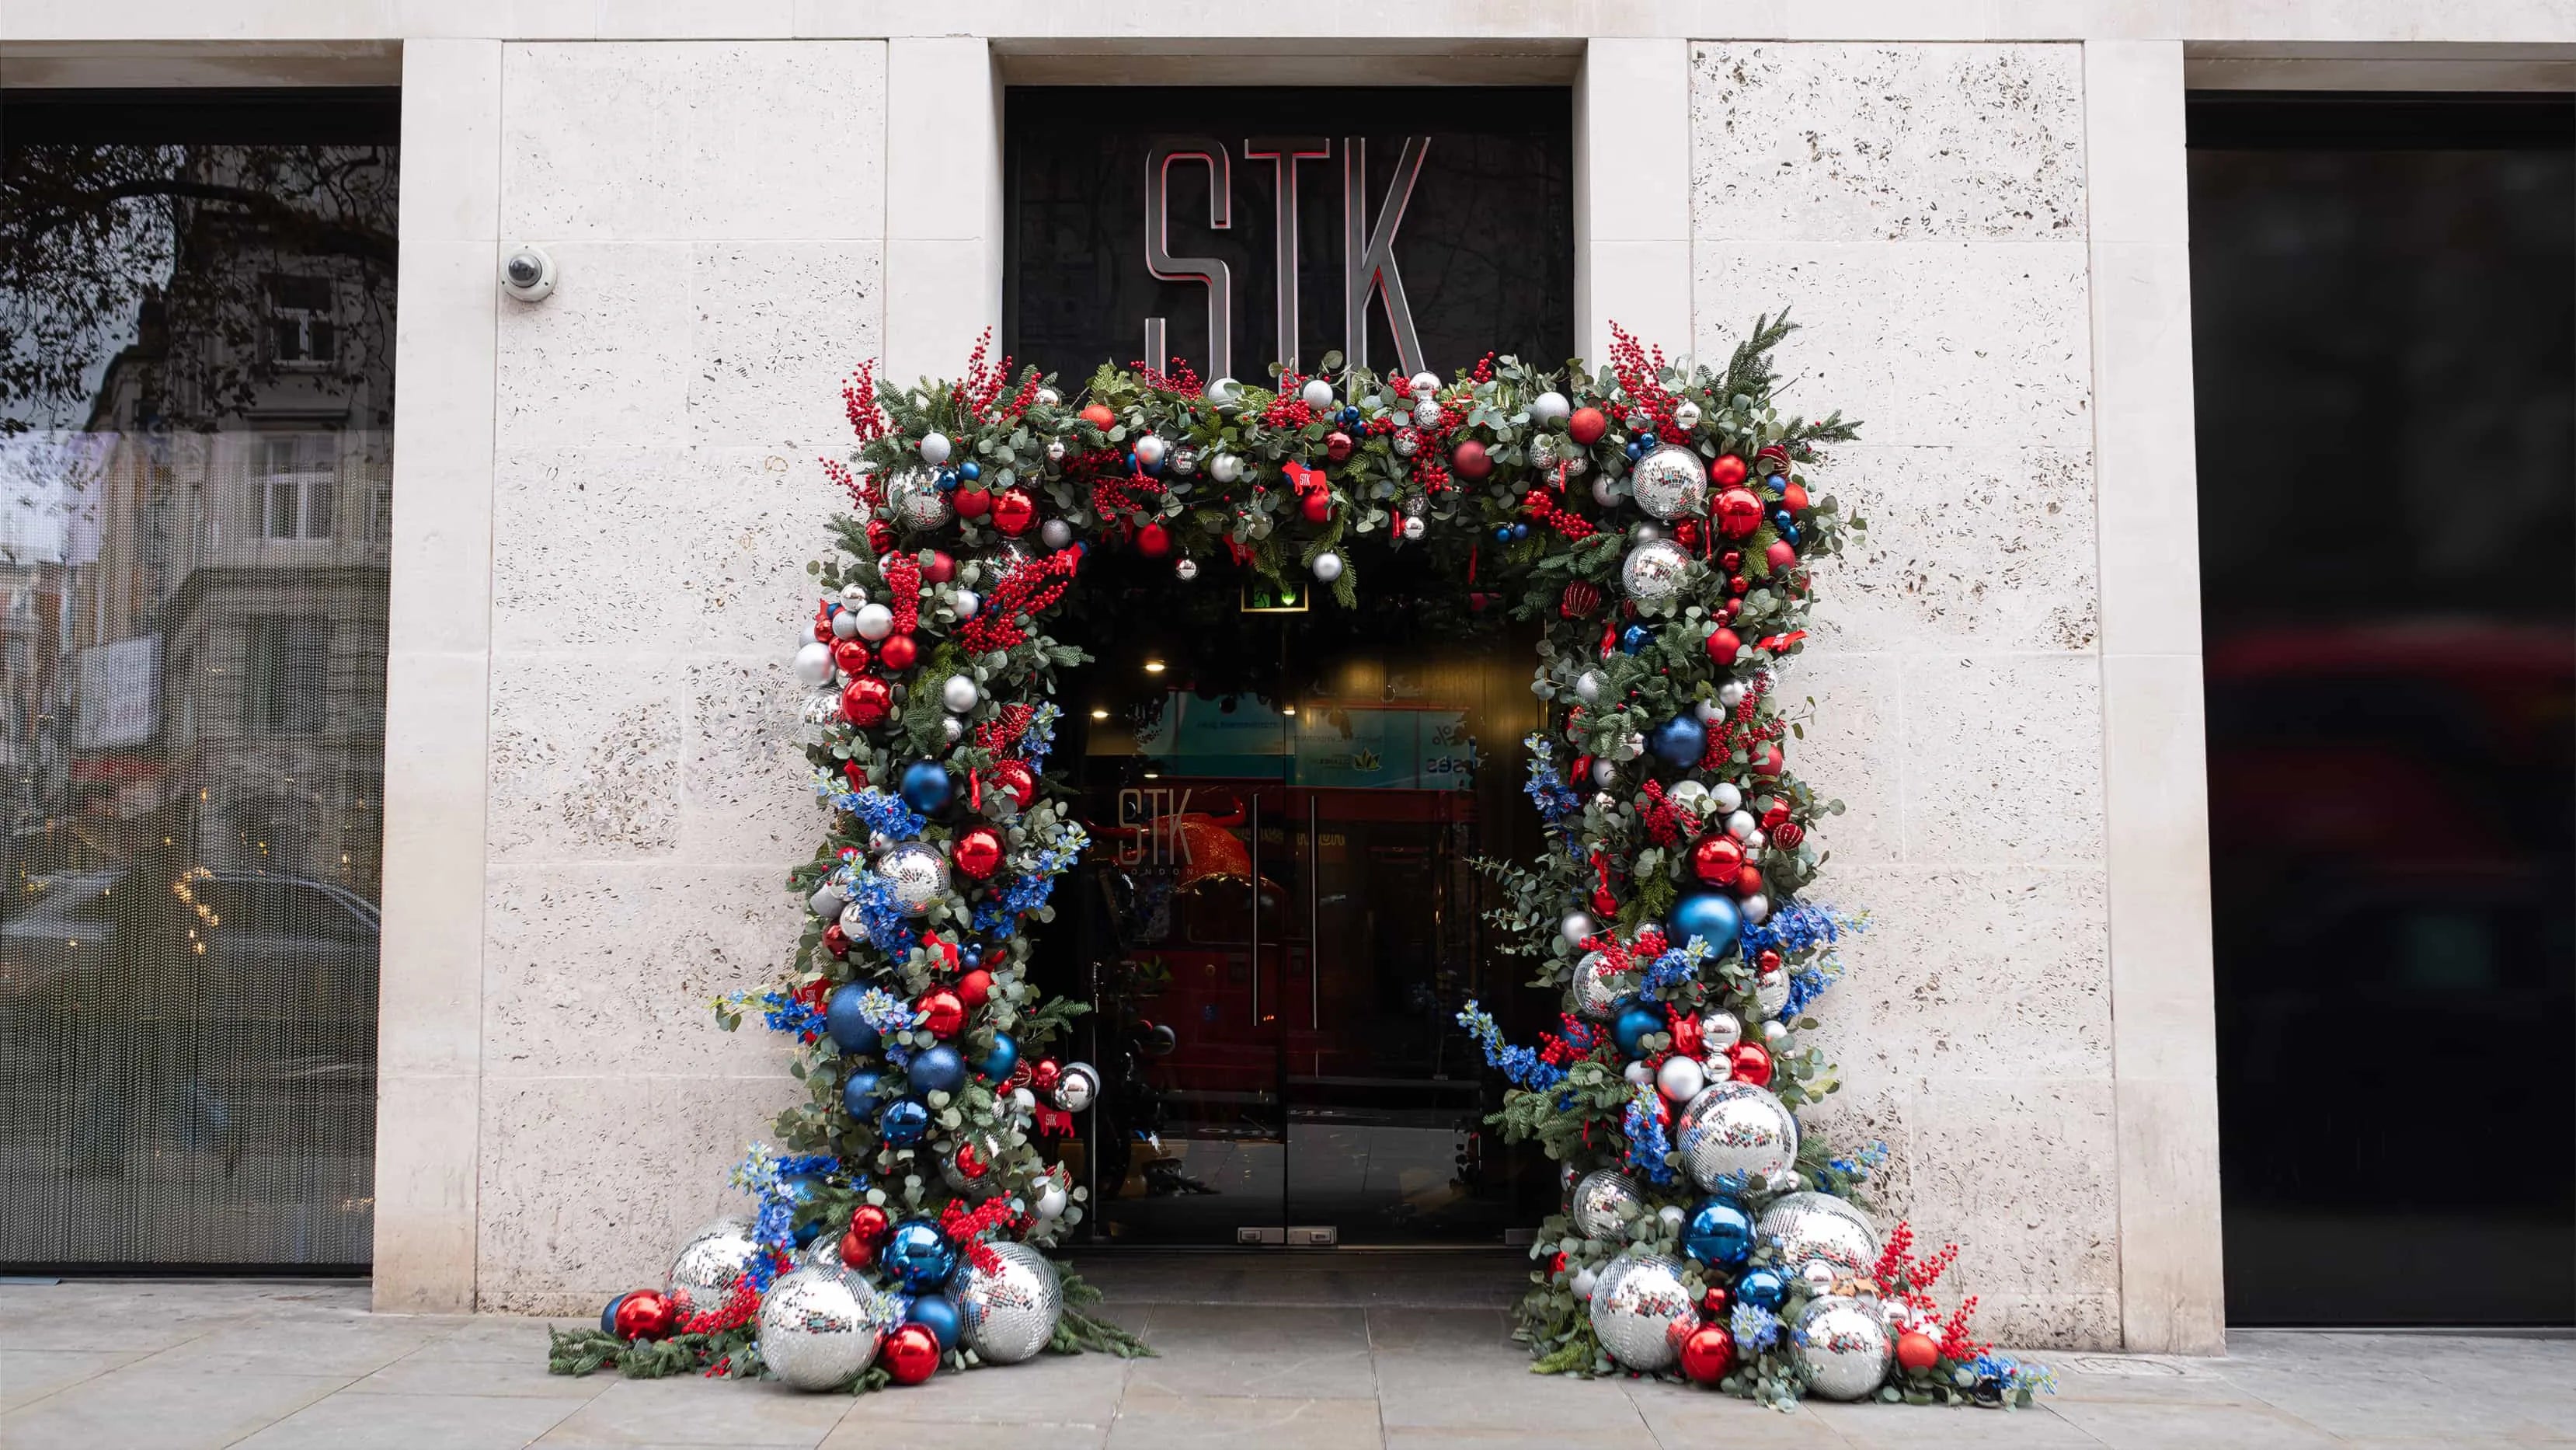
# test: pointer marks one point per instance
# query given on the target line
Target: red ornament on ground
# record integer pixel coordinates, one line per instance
(1706, 1352)
(1726, 470)
(977, 852)
(1723, 645)
(941, 1012)
(1793, 497)
(1020, 782)
(866, 700)
(1099, 416)
(1788, 835)
(940, 569)
(1687, 533)
(1773, 814)
(1768, 962)
(1586, 426)
(1714, 1301)
(1686, 1038)
(646, 1314)
(1470, 460)
(1915, 1351)
(1717, 858)
(1738, 513)
(1153, 541)
(880, 536)
(1782, 554)
(1752, 1063)
(911, 1354)
(1014, 511)
(973, 503)
(851, 655)
(974, 988)
(899, 652)
(1731, 560)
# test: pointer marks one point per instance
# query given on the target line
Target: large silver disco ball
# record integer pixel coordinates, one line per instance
(1598, 1198)
(820, 1326)
(1008, 1312)
(1596, 989)
(1637, 1307)
(1654, 571)
(1841, 1347)
(916, 498)
(1736, 1131)
(1818, 1228)
(917, 873)
(703, 1272)
(1670, 482)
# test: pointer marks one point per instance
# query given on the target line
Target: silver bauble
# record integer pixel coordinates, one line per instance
(703, 1272)
(820, 1326)
(958, 693)
(871, 622)
(1638, 1074)
(1739, 824)
(1184, 460)
(1576, 926)
(1841, 1347)
(1637, 1306)
(917, 875)
(1655, 571)
(1716, 1068)
(1756, 909)
(1587, 687)
(1317, 393)
(1414, 527)
(852, 596)
(1224, 467)
(1055, 450)
(827, 901)
(1645, 533)
(1550, 407)
(1055, 534)
(1680, 1079)
(1542, 452)
(1008, 1312)
(1605, 489)
(1720, 1029)
(1771, 991)
(916, 499)
(1426, 414)
(1185, 570)
(966, 603)
(813, 666)
(1406, 442)
(1773, 1031)
(1047, 398)
(1596, 986)
(1328, 567)
(1423, 384)
(1735, 1132)
(1577, 463)
(953, 728)
(1818, 1228)
(1149, 451)
(854, 921)
(1077, 1087)
(1599, 1198)
(1686, 415)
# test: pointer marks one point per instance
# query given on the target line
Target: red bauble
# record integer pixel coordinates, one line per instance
(1686, 1038)
(1717, 858)
(1099, 416)
(941, 1012)
(1766, 761)
(1782, 554)
(1731, 560)
(973, 503)
(974, 987)
(1748, 882)
(1556, 1265)
(871, 1223)
(856, 1251)
(1789, 835)
(1706, 1352)
(1686, 533)
(899, 652)
(1767, 963)
(1738, 513)
(911, 1353)
(1714, 1300)
(1726, 470)
(1773, 814)
(940, 569)
(836, 941)
(865, 701)
(1793, 497)
(851, 656)
(857, 773)
(1469, 459)
(1734, 607)
(880, 536)
(1337, 445)
(1915, 1351)
(1153, 541)
(1738, 585)
(646, 1314)
(1044, 1076)
(970, 1162)
(1752, 1063)
(1014, 511)
(1723, 646)
(977, 852)
(1015, 777)
(1317, 505)
(1586, 426)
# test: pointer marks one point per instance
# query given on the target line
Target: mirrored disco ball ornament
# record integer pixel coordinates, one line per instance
(1598, 1198)
(704, 1270)
(1008, 1312)
(1637, 1308)
(1736, 1131)
(917, 873)
(1595, 989)
(1654, 571)
(1841, 1347)
(1670, 483)
(1817, 1228)
(916, 499)
(819, 1326)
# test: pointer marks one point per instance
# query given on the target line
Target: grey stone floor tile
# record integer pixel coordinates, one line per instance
(523, 1377)
(1460, 1393)
(32, 1374)
(1264, 1351)
(346, 1346)
(491, 1337)
(690, 1410)
(2131, 1425)
(1081, 1389)
(133, 1411)
(1876, 1426)
(1148, 1420)
(1680, 1415)
(448, 1421)
(925, 1435)
(1442, 1331)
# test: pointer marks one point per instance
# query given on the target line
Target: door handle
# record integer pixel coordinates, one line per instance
(1255, 888)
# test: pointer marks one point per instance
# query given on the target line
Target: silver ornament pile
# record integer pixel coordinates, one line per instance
(1736, 1132)
(916, 874)
(820, 1326)
(1654, 571)
(1841, 1347)
(1598, 1198)
(703, 1272)
(1637, 1305)
(1817, 1228)
(1008, 1312)
(1670, 483)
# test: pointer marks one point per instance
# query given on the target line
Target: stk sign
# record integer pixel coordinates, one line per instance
(1232, 228)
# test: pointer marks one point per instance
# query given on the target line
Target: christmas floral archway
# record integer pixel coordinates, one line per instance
(1657, 519)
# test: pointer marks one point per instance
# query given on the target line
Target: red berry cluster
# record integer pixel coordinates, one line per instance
(1641, 377)
(998, 735)
(1556, 516)
(862, 488)
(983, 383)
(969, 1226)
(1029, 587)
(1182, 379)
(859, 400)
(903, 584)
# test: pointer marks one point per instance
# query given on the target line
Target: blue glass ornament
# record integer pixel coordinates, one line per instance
(608, 1316)
(1634, 451)
(1633, 1026)
(1520, 531)
(1762, 1288)
(1678, 742)
(1645, 440)
(1502, 533)
(937, 1314)
(1634, 638)
(843, 1018)
(905, 1122)
(1789, 534)
(939, 1070)
(972, 956)
(862, 1093)
(970, 471)
(1712, 918)
(1780, 517)
(1720, 1232)
(998, 1063)
(926, 786)
(918, 1255)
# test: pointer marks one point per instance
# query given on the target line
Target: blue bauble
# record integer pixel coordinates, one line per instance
(938, 1070)
(1762, 1288)
(936, 1314)
(1678, 742)
(1712, 918)
(1632, 640)
(970, 470)
(1633, 1026)
(851, 1031)
(998, 1063)
(1720, 1232)
(801, 1188)
(926, 786)
(608, 1316)
(905, 1122)
(918, 1255)
(862, 1093)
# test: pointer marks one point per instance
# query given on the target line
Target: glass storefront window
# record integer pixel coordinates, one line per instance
(196, 407)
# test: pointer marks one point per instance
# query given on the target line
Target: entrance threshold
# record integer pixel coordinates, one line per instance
(1405, 1277)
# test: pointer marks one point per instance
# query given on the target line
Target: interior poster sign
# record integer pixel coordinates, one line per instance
(1230, 228)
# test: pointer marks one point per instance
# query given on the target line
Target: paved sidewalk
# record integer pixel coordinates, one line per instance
(1422, 1362)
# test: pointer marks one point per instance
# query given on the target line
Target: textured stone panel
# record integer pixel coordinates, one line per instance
(1967, 548)
(751, 520)
(2003, 760)
(1886, 142)
(1851, 750)
(777, 327)
(589, 968)
(604, 359)
(745, 788)
(585, 758)
(2021, 1172)
(1987, 345)
(696, 140)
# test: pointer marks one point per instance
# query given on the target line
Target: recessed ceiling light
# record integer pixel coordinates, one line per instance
(1153, 667)
(1287, 709)
(1099, 714)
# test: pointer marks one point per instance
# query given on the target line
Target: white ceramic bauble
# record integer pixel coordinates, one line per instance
(958, 693)
(1023, 1101)
(1587, 687)
(874, 621)
(935, 448)
(1756, 909)
(813, 664)
(1731, 694)
(1224, 391)
(966, 603)
(1707, 712)
(1582, 1283)
(1550, 407)
(1055, 533)
(1224, 467)
(845, 625)
(1605, 772)
(1638, 1074)
(1756, 841)
(1774, 1031)
(1671, 1214)
(1606, 491)
(1328, 567)
(1680, 1078)
(1051, 1201)
(1576, 926)
(1149, 451)
(1048, 397)
(1725, 796)
(1739, 824)
(1317, 393)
